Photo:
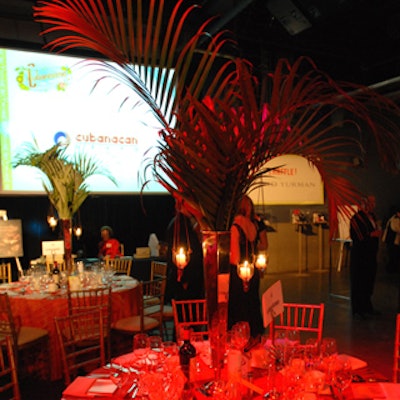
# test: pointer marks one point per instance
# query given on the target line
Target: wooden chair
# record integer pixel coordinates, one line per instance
(9, 385)
(158, 269)
(190, 314)
(81, 340)
(5, 273)
(149, 297)
(85, 299)
(121, 265)
(307, 319)
(396, 360)
(31, 344)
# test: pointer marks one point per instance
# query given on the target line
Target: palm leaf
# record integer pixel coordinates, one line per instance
(145, 42)
(64, 179)
(219, 151)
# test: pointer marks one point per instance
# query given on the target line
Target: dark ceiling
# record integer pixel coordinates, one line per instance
(353, 40)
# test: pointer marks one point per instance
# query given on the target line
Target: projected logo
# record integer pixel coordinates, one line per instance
(42, 78)
(61, 138)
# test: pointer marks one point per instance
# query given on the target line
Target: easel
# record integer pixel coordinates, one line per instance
(3, 216)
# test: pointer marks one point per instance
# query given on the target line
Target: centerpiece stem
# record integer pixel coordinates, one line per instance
(216, 248)
(67, 235)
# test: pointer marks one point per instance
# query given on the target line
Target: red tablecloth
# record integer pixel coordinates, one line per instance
(40, 310)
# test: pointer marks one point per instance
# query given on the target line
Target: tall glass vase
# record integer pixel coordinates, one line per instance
(216, 247)
(67, 235)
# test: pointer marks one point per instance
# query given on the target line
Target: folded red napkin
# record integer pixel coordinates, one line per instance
(89, 387)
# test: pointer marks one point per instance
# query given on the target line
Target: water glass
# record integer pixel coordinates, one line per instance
(141, 344)
(240, 335)
(155, 343)
(342, 376)
(328, 347)
(170, 349)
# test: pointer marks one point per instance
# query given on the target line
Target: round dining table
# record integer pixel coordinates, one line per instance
(158, 375)
(39, 308)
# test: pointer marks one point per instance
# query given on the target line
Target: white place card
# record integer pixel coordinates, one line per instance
(272, 303)
(52, 247)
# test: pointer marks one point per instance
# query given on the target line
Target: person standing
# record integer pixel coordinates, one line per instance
(391, 237)
(245, 237)
(108, 246)
(365, 234)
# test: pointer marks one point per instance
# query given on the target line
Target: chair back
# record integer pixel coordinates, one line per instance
(86, 299)
(5, 273)
(396, 360)
(121, 265)
(158, 269)
(30, 344)
(153, 293)
(307, 319)
(81, 341)
(190, 314)
(8, 325)
(8, 370)
(149, 299)
(150, 302)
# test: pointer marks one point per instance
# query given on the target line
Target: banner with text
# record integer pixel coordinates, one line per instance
(296, 181)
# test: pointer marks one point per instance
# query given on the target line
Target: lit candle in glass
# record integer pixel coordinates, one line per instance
(78, 231)
(261, 262)
(52, 221)
(180, 258)
(245, 271)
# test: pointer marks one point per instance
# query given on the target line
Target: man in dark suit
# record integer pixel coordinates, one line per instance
(365, 234)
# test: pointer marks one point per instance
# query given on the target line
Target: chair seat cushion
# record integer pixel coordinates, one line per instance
(155, 309)
(132, 324)
(150, 300)
(28, 335)
(168, 312)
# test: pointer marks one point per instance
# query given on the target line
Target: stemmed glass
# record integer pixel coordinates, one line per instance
(341, 376)
(141, 347)
(328, 347)
(155, 350)
(240, 335)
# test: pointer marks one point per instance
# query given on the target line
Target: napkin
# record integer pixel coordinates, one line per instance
(363, 391)
(355, 362)
(88, 387)
(103, 386)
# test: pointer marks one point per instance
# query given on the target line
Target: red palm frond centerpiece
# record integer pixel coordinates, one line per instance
(222, 135)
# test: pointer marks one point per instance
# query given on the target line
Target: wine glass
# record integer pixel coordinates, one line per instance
(342, 376)
(328, 347)
(141, 347)
(240, 335)
(155, 350)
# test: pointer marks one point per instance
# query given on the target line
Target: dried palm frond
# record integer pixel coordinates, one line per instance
(223, 137)
(219, 149)
(147, 40)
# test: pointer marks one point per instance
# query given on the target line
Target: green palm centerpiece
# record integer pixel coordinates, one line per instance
(65, 182)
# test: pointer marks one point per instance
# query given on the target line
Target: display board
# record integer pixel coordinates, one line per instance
(53, 99)
(293, 181)
(11, 238)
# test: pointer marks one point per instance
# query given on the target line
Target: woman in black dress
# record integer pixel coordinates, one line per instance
(246, 232)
